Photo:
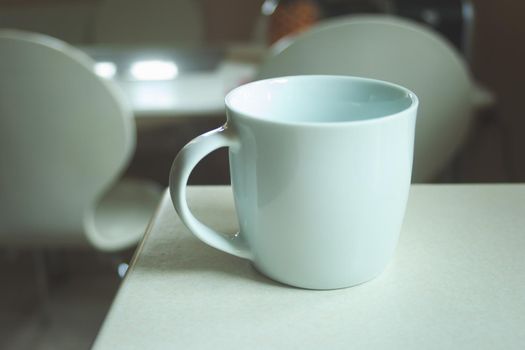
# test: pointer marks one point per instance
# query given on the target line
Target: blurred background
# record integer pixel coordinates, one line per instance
(172, 62)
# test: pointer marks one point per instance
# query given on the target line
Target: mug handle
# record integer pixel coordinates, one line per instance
(186, 160)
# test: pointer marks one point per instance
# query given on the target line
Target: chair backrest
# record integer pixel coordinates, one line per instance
(396, 50)
(149, 22)
(65, 136)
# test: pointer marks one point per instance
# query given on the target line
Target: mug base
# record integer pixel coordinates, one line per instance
(316, 286)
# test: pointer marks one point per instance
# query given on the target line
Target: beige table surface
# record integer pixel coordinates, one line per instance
(457, 281)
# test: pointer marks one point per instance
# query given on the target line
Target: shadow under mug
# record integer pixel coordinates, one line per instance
(320, 169)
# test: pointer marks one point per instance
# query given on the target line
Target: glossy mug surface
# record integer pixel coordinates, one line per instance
(320, 169)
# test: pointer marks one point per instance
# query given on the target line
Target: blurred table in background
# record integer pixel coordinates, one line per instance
(176, 82)
(176, 94)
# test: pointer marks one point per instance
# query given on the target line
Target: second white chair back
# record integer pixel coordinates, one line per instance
(396, 50)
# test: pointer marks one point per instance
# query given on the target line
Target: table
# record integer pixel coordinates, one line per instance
(176, 81)
(457, 281)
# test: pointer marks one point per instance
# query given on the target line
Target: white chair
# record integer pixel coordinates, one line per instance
(396, 50)
(66, 135)
(176, 22)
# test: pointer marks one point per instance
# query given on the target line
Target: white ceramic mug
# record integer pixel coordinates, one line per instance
(320, 169)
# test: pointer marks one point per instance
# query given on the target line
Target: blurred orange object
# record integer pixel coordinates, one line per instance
(291, 17)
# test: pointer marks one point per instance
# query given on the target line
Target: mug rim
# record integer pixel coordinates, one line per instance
(238, 113)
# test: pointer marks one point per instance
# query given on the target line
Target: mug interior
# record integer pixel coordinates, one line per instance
(319, 99)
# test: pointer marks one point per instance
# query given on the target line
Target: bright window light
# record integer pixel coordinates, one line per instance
(105, 69)
(154, 70)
